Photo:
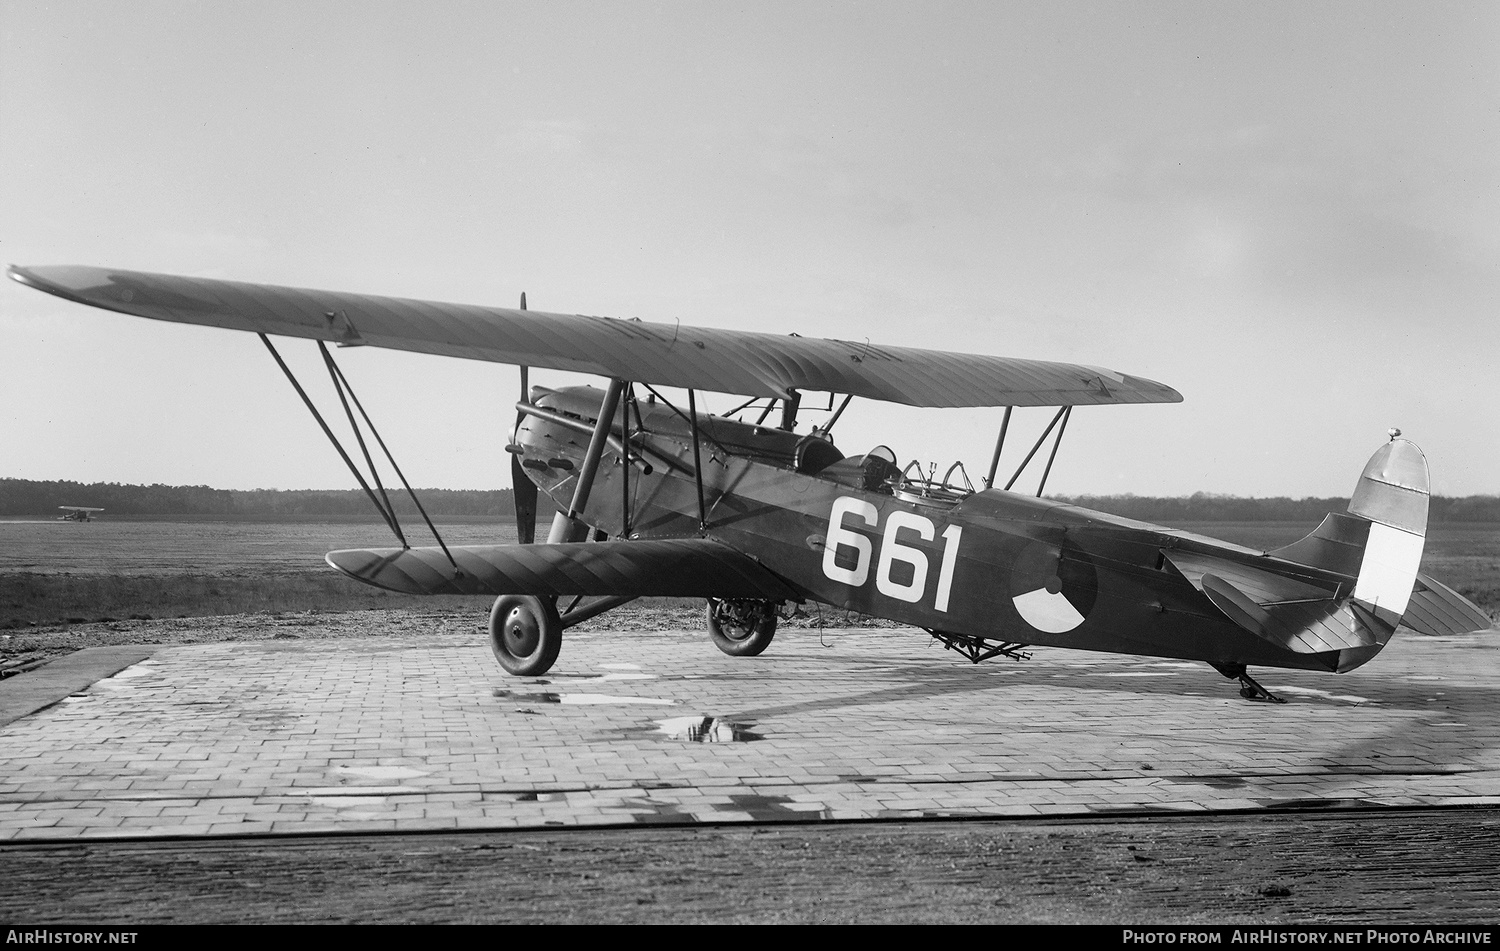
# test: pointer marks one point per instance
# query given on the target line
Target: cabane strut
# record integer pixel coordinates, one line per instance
(1064, 413)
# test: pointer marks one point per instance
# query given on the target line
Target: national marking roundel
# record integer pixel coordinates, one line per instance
(1053, 588)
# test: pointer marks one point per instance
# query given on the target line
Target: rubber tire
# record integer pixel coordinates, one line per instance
(525, 634)
(739, 641)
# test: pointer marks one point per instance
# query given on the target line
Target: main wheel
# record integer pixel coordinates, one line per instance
(741, 628)
(525, 634)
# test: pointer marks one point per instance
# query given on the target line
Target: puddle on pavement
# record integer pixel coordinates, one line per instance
(143, 669)
(1318, 694)
(707, 730)
(348, 802)
(379, 772)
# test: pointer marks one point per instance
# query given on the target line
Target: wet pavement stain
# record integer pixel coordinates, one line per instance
(543, 697)
(776, 809)
(1218, 782)
(652, 811)
(1310, 804)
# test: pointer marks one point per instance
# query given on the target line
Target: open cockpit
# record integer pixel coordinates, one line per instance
(879, 471)
(812, 454)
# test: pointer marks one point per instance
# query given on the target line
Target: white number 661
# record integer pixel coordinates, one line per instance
(892, 550)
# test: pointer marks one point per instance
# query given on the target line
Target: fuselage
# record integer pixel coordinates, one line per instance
(989, 564)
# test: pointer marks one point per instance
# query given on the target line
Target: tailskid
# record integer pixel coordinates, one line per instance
(1249, 688)
(977, 649)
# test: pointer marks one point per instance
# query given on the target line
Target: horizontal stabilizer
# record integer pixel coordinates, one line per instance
(680, 567)
(1265, 587)
(722, 361)
(1291, 613)
(1437, 609)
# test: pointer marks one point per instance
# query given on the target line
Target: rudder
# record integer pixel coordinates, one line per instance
(1392, 495)
(1379, 541)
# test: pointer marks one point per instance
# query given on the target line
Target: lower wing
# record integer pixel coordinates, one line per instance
(678, 567)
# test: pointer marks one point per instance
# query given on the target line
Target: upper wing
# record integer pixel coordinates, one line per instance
(677, 567)
(724, 361)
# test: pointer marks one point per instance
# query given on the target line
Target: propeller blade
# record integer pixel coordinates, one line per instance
(524, 491)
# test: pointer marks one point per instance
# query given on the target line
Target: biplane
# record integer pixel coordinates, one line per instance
(77, 513)
(655, 498)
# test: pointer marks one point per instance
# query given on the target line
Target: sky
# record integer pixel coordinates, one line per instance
(1290, 212)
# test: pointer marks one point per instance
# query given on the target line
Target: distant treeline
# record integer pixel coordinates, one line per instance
(23, 497)
(26, 498)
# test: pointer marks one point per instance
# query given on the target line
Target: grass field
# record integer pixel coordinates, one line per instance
(60, 572)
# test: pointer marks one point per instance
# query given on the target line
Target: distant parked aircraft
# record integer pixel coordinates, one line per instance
(77, 513)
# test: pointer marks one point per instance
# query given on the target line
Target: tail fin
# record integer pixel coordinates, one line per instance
(1379, 542)
(1377, 546)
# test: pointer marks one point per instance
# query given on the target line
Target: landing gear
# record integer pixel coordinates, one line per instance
(741, 627)
(977, 649)
(1249, 689)
(525, 634)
